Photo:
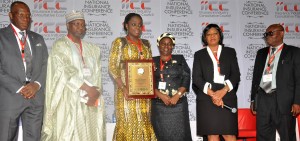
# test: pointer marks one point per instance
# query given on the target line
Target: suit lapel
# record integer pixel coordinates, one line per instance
(283, 55)
(14, 42)
(32, 45)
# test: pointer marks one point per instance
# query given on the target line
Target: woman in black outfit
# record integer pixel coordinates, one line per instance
(169, 112)
(215, 80)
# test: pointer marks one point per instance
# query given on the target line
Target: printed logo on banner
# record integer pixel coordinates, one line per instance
(225, 27)
(292, 30)
(249, 74)
(214, 8)
(181, 30)
(146, 31)
(97, 7)
(178, 8)
(251, 51)
(49, 8)
(50, 30)
(287, 9)
(136, 6)
(4, 24)
(254, 30)
(105, 75)
(5, 7)
(255, 9)
(104, 51)
(185, 50)
(98, 29)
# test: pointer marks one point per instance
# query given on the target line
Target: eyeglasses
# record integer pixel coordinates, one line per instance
(270, 33)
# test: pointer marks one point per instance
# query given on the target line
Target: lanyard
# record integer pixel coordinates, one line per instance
(271, 58)
(80, 47)
(21, 43)
(218, 62)
(162, 64)
(138, 44)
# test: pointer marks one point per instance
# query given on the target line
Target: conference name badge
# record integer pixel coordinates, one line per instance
(86, 72)
(267, 78)
(219, 79)
(162, 85)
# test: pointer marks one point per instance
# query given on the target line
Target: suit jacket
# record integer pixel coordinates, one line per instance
(287, 76)
(12, 71)
(176, 73)
(203, 71)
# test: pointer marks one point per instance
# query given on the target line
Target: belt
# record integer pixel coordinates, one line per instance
(159, 100)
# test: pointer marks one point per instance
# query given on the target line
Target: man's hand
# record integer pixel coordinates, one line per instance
(29, 90)
(252, 108)
(295, 109)
(93, 95)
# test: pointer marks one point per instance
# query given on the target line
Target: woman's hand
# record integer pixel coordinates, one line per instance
(174, 99)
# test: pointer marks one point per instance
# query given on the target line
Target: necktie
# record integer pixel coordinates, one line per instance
(267, 86)
(28, 56)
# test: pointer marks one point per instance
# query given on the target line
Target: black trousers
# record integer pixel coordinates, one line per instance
(269, 119)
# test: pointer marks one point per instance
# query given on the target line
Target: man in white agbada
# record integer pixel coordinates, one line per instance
(74, 107)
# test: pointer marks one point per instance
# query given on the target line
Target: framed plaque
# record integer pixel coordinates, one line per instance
(140, 78)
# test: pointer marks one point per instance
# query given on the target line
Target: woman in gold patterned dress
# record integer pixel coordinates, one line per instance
(132, 115)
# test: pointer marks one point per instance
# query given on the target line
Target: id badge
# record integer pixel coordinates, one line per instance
(219, 79)
(86, 72)
(267, 78)
(162, 85)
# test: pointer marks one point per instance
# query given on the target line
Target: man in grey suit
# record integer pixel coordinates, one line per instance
(23, 62)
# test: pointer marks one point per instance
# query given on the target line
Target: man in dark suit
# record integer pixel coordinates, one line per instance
(275, 90)
(23, 62)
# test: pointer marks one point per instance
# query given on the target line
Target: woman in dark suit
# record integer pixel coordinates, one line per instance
(215, 80)
(169, 111)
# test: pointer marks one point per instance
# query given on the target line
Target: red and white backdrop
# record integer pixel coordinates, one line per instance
(243, 22)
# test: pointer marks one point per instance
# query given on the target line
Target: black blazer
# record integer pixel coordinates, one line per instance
(203, 71)
(176, 73)
(287, 76)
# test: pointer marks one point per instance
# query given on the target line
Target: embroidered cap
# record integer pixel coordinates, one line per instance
(169, 35)
(74, 15)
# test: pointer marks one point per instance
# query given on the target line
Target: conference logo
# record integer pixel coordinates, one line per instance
(287, 9)
(210, 8)
(97, 8)
(50, 30)
(147, 32)
(104, 51)
(98, 29)
(5, 7)
(49, 8)
(4, 24)
(105, 75)
(143, 7)
(178, 8)
(292, 30)
(254, 30)
(224, 26)
(251, 51)
(249, 74)
(254, 9)
(185, 50)
(181, 30)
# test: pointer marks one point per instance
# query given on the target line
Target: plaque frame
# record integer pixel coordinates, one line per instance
(140, 79)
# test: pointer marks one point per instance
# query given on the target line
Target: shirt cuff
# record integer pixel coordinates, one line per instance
(206, 87)
(18, 91)
(228, 83)
(88, 83)
(37, 82)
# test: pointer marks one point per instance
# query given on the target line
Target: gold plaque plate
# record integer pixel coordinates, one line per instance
(140, 78)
